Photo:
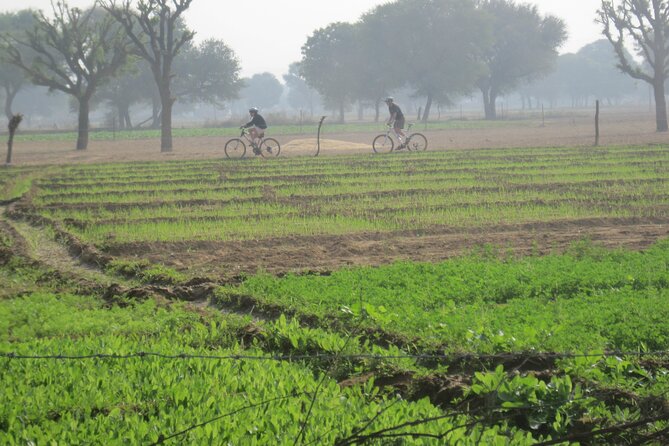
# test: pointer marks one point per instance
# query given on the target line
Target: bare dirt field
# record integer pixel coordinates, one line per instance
(326, 253)
(569, 129)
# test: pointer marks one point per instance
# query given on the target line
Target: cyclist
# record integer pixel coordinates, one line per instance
(397, 121)
(257, 127)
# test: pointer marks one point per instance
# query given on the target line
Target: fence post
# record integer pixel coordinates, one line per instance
(13, 126)
(597, 123)
(543, 116)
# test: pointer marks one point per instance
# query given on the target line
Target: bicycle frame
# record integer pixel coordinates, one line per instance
(236, 147)
(245, 135)
(385, 143)
(390, 133)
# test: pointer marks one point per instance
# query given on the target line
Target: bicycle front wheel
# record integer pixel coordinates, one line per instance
(383, 144)
(235, 148)
(270, 147)
(417, 142)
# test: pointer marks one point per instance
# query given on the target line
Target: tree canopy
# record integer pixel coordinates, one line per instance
(75, 52)
(329, 64)
(154, 28)
(525, 47)
(644, 24)
(12, 78)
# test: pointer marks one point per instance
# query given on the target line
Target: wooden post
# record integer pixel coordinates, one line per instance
(13, 125)
(543, 116)
(597, 123)
(318, 138)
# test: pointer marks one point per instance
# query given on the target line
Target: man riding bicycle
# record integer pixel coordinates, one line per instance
(397, 121)
(257, 127)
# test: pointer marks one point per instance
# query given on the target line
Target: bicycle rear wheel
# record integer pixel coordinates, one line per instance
(383, 144)
(235, 148)
(417, 142)
(269, 147)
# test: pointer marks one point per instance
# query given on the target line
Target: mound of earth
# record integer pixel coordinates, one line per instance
(309, 145)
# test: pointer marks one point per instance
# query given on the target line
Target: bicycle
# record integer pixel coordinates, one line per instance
(385, 143)
(236, 147)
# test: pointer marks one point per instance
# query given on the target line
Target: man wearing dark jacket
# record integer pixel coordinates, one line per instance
(257, 127)
(396, 120)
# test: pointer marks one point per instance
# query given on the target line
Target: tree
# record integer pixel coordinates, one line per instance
(646, 22)
(74, 53)
(606, 80)
(433, 46)
(157, 38)
(127, 89)
(207, 73)
(262, 90)
(380, 72)
(300, 94)
(525, 48)
(328, 64)
(12, 78)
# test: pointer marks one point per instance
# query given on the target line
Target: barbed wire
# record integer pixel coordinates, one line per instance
(357, 436)
(325, 356)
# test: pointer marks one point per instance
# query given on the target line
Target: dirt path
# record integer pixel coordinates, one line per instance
(41, 246)
(568, 129)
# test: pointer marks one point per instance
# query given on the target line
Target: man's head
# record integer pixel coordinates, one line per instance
(389, 100)
(253, 111)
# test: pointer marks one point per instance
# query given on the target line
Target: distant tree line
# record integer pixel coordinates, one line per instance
(116, 54)
(439, 49)
(123, 52)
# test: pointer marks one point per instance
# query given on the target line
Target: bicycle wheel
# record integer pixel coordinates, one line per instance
(270, 147)
(417, 142)
(383, 144)
(235, 148)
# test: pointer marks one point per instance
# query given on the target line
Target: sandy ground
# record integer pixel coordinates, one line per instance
(569, 129)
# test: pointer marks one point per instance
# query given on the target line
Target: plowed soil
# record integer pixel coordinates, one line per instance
(328, 253)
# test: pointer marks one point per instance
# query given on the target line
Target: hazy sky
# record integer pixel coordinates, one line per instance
(267, 35)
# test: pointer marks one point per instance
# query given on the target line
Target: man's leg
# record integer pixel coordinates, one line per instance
(400, 136)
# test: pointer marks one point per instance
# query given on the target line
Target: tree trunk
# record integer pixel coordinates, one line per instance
(428, 106)
(489, 104)
(10, 144)
(155, 112)
(341, 112)
(9, 99)
(14, 122)
(377, 111)
(361, 111)
(660, 106)
(82, 137)
(123, 111)
(166, 121)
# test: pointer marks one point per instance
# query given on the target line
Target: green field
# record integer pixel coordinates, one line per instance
(308, 128)
(488, 347)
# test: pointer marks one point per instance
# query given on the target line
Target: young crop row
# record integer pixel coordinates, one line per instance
(251, 227)
(497, 160)
(15, 181)
(145, 400)
(142, 399)
(231, 201)
(587, 299)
